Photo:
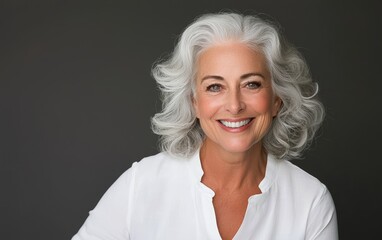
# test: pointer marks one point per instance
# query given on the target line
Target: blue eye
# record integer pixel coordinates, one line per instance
(253, 85)
(214, 88)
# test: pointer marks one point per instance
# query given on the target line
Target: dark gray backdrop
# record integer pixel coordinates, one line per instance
(76, 99)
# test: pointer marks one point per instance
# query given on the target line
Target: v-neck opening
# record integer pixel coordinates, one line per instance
(265, 184)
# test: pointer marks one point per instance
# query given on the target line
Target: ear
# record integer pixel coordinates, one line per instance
(276, 106)
(195, 106)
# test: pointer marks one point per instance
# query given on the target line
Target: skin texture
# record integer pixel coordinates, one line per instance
(233, 84)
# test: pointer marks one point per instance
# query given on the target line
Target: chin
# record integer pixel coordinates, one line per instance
(239, 148)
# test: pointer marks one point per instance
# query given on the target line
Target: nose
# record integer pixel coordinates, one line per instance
(234, 103)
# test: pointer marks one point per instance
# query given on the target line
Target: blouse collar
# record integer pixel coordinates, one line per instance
(270, 170)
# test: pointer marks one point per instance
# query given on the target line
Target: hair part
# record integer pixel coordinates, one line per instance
(299, 117)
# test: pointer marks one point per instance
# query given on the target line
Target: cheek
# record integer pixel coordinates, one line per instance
(262, 125)
(205, 107)
(263, 104)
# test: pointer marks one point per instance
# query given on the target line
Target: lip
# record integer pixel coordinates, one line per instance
(235, 129)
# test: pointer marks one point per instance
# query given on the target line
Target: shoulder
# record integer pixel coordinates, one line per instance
(306, 193)
(301, 184)
(160, 168)
(296, 175)
(309, 193)
(159, 163)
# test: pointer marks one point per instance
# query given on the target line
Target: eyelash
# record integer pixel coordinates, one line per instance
(250, 85)
(257, 85)
(210, 88)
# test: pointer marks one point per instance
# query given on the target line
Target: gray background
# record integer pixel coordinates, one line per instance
(76, 97)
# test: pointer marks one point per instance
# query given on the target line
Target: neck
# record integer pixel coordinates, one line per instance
(232, 171)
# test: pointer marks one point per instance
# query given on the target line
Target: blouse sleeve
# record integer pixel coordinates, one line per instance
(322, 222)
(110, 219)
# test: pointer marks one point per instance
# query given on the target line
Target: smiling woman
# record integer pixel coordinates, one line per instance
(238, 102)
(234, 101)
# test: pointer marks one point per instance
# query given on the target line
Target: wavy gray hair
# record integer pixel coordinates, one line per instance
(299, 117)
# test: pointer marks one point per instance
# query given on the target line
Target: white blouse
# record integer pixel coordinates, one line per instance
(161, 197)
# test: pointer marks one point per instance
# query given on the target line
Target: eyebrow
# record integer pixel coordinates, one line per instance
(252, 74)
(242, 77)
(213, 77)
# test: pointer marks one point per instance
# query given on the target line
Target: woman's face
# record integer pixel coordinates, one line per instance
(234, 101)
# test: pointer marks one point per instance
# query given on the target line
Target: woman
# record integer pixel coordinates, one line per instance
(238, 102)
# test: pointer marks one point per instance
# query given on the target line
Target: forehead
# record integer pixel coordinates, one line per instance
(230, 58)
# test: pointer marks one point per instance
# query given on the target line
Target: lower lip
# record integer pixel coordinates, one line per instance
(236, 130)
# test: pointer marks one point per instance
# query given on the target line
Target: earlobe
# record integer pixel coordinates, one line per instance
(195, 106)
(276, 106)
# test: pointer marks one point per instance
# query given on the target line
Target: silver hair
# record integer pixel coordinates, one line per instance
(299, 117)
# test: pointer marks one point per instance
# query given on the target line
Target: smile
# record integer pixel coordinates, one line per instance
(235, 124)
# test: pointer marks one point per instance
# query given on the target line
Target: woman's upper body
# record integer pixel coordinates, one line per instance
(237, 98)
(162, 197)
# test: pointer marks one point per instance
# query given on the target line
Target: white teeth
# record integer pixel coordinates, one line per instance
(235, 124)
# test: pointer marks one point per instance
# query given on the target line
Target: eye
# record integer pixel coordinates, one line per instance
(253, 85)
(214, 88)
